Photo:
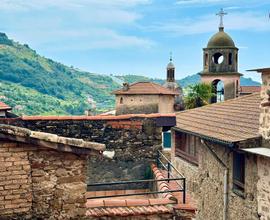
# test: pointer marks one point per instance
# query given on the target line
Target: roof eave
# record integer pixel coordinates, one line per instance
(212, 139)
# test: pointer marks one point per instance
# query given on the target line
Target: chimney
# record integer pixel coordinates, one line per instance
(125, 86)
(265, 106)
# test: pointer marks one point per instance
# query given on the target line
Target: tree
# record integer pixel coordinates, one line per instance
(198, 95)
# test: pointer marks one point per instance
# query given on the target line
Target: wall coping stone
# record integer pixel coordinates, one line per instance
(96, 117)
(48, 140)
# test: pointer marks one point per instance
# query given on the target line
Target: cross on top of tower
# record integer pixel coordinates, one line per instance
(221, 14)
(170, 56)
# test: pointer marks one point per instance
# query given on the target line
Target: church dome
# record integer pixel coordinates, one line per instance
(170, 65)
(221, 40)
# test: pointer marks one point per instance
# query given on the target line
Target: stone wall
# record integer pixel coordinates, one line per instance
(265, 110)
(206, 183)
(263, 186)
(135, 142)
(37, 182)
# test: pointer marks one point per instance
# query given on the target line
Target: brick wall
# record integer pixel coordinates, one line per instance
(41, 183)
(15, 180)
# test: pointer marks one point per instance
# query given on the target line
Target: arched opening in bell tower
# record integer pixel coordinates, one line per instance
(218, 58)
(218, 91)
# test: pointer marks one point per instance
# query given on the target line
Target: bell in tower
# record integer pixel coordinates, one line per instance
(220, 66)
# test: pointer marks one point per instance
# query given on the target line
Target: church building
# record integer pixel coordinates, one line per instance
(149, 97)
(220, 65)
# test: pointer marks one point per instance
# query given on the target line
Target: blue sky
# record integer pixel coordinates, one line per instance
(136, 36)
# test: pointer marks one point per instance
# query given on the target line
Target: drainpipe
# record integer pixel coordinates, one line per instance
(225, 178)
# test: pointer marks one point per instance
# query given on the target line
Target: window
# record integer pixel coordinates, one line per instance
(167, 139)
(121, 100)
(186, 147)
(238, 173)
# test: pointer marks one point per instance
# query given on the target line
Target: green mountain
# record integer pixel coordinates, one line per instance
(189, 80)
(35, 85)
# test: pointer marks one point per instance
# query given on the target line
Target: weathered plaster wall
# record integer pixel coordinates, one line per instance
(144, 104)
(206, 183)
(263, 187)
(134, 141)
(40, 183)
(166, 103)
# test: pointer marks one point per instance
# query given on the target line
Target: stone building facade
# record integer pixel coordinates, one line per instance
(231, 146)
(205, 182)
(42, 176)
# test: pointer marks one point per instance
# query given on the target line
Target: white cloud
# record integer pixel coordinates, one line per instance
(67, 4)
(191, 2)
(73, 24)
(208, 23)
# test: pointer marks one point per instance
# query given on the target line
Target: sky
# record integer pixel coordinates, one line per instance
(137, 36)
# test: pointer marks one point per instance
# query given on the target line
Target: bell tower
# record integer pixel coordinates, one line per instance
(220, 64)
(170, 70)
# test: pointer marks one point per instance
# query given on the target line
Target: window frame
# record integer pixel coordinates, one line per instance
(238, 173)
(183, 147)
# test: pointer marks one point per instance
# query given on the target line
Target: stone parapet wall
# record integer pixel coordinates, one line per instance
(134, 139)
(37, 182)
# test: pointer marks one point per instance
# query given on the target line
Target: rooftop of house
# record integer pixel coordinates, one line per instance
(48, 140)
(4, 106)
(144, 88)
(231, 121)
(249, 89)
(261, 70)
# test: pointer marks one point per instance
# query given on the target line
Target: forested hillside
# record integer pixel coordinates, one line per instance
(35, 85)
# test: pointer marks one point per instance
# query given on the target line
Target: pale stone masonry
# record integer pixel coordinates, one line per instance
(263, 186)
(42, 178)
(265, 110)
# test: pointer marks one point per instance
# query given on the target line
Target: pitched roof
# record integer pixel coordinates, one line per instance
(145, 88)
(249, 89)
(4, 106)
(230, 121)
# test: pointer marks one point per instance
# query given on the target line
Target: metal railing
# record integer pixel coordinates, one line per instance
(177, 176)
(172, 173)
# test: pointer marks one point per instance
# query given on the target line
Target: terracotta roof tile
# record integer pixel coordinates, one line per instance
(129, 211)
(249, 89)
(97, 117)
(230, 121)
(145, 88)
(4, 106)
(162, 185)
